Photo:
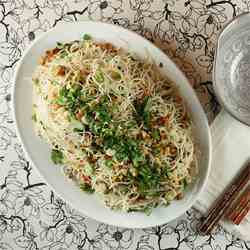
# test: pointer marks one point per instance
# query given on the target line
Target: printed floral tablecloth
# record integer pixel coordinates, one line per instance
(31, 215)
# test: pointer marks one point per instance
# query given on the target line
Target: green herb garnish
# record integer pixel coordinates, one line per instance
(165, 171)
(77, 125)
(36, 81)
(59, 45)
(86, 188)
(156, 134)
(99, 76)
(88, 169)
(109, 163)
(78, 130)
(142, 113)
(87, 37)
(147, 210)
(148, 178)
(34, 118)
(57, 156)
(185, 184)
(63, 54)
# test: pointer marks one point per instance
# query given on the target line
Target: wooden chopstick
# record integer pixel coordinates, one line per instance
(242, 214)
(241, 209)
(223, 204)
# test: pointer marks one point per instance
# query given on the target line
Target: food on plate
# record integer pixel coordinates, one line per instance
(117, 126)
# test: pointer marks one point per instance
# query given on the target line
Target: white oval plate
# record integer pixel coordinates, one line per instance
(39, 152)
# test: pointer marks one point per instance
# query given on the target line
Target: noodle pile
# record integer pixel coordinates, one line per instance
(118, 127)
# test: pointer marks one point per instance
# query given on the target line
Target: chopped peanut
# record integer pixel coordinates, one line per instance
(61, 70)
(163, 120)
(79, 115)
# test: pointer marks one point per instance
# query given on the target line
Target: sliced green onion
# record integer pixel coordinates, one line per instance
(99, 77)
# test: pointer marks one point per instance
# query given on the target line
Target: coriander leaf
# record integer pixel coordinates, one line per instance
(76, 130)
(59, 45)
(148, 178)
(148, 210)
(70, 98)
(137, 159)
(34, 118)
(88, 169)
(61, 100)
(184, 183)
(146, 118)
(86, 37)
(86, 188)
(57, 156)
(63, 54)
(156, 134)
(142, 113)
(109, 163)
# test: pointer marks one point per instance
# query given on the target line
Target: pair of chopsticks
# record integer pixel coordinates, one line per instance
(223, 205)
(241, 209)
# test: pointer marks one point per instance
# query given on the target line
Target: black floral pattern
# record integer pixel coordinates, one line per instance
(117, 238)
(104, 10)
(31, 216)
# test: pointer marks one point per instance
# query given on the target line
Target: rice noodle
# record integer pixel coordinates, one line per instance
(100, 70)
